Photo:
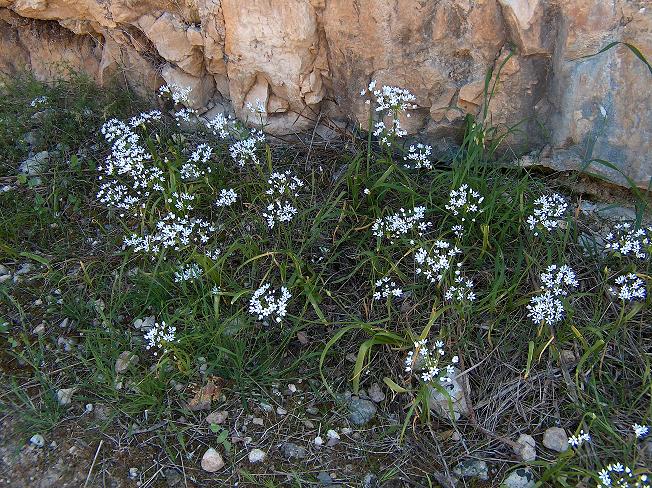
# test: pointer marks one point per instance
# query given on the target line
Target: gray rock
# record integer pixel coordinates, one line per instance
(133, 473)
(361, 411)
(125, 359)
(256, 456)
(520, 478)
(35, 165)
(376, 393)
(291, 451)
(37, 440)
(555, 438)
(472, 468)
(441, 403)
(324, 478)
(217, 417)
(527, 447)
(370, 480)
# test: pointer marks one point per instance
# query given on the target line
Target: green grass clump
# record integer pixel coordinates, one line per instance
(103, 263)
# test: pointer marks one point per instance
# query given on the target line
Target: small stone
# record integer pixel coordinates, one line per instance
(318, 441)
(309, 424)
(64, 396)
(333, 438)
(302, 337)
(35, 165)
(291, 451)
(455, 436)
(325, 478)
(39, 329)
(527, 448)
(256, 456)
(266, 407)
(555, 438)
(88, 408)
(352, 358)
(472, 468)
(292, 388)
(37, 440)
(361, 411)
(281, 411)
(441, 403)
(370, 480)
(124, 361)
(217, 417)
(64, 323)
(133, 473)
(376, 393)
(312, 410)
(520, 478)
(212, 461)
(258, 421)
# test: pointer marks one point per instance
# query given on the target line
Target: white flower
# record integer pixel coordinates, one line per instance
(461, 290)
(418, 157)
(621, 476)
(266, 303)
(465, 202)
(244, 151)
(559, 279)
(40, 100)
(434, 263)
(401, 223)
(228, 196)
(189, 272)
(386, 288)
(221, 125)
(546, 307)
(577, 440)
(548, 213)
(282, 188)
(179, 95)
(428, 363)
(626, 240)
(629, 287)
(640, 431)
(159, 336)
(279, 211)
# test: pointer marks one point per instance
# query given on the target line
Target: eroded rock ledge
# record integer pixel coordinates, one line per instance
(303, 58)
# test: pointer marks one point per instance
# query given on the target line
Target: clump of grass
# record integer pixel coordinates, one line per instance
(206, 228)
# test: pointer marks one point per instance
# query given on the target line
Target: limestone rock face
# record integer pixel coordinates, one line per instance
(303, 59)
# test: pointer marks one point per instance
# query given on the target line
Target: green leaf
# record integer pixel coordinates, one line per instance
(393, 386)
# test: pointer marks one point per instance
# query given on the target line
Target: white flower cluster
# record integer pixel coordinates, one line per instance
(130, 177)
(227, 197)
(391, 98)
(559, 279)
(266, 303)
(283, 187)
(244, 151)
(159, 336)
(40, 100)
(172, 232)
(184, 115)
(387, 288)
(640, 431)
(577, 440)
(178, 94)
(189, 272)
(401, 223)
(629, 287)
(418, 157)
(462, 288)
(620, 476)
(428, 363)
(626, 240)
(221, 125)
(393, 101)
(548, 307)
(196, 166)
(465, 201)
(434, 263)
(548, 213)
